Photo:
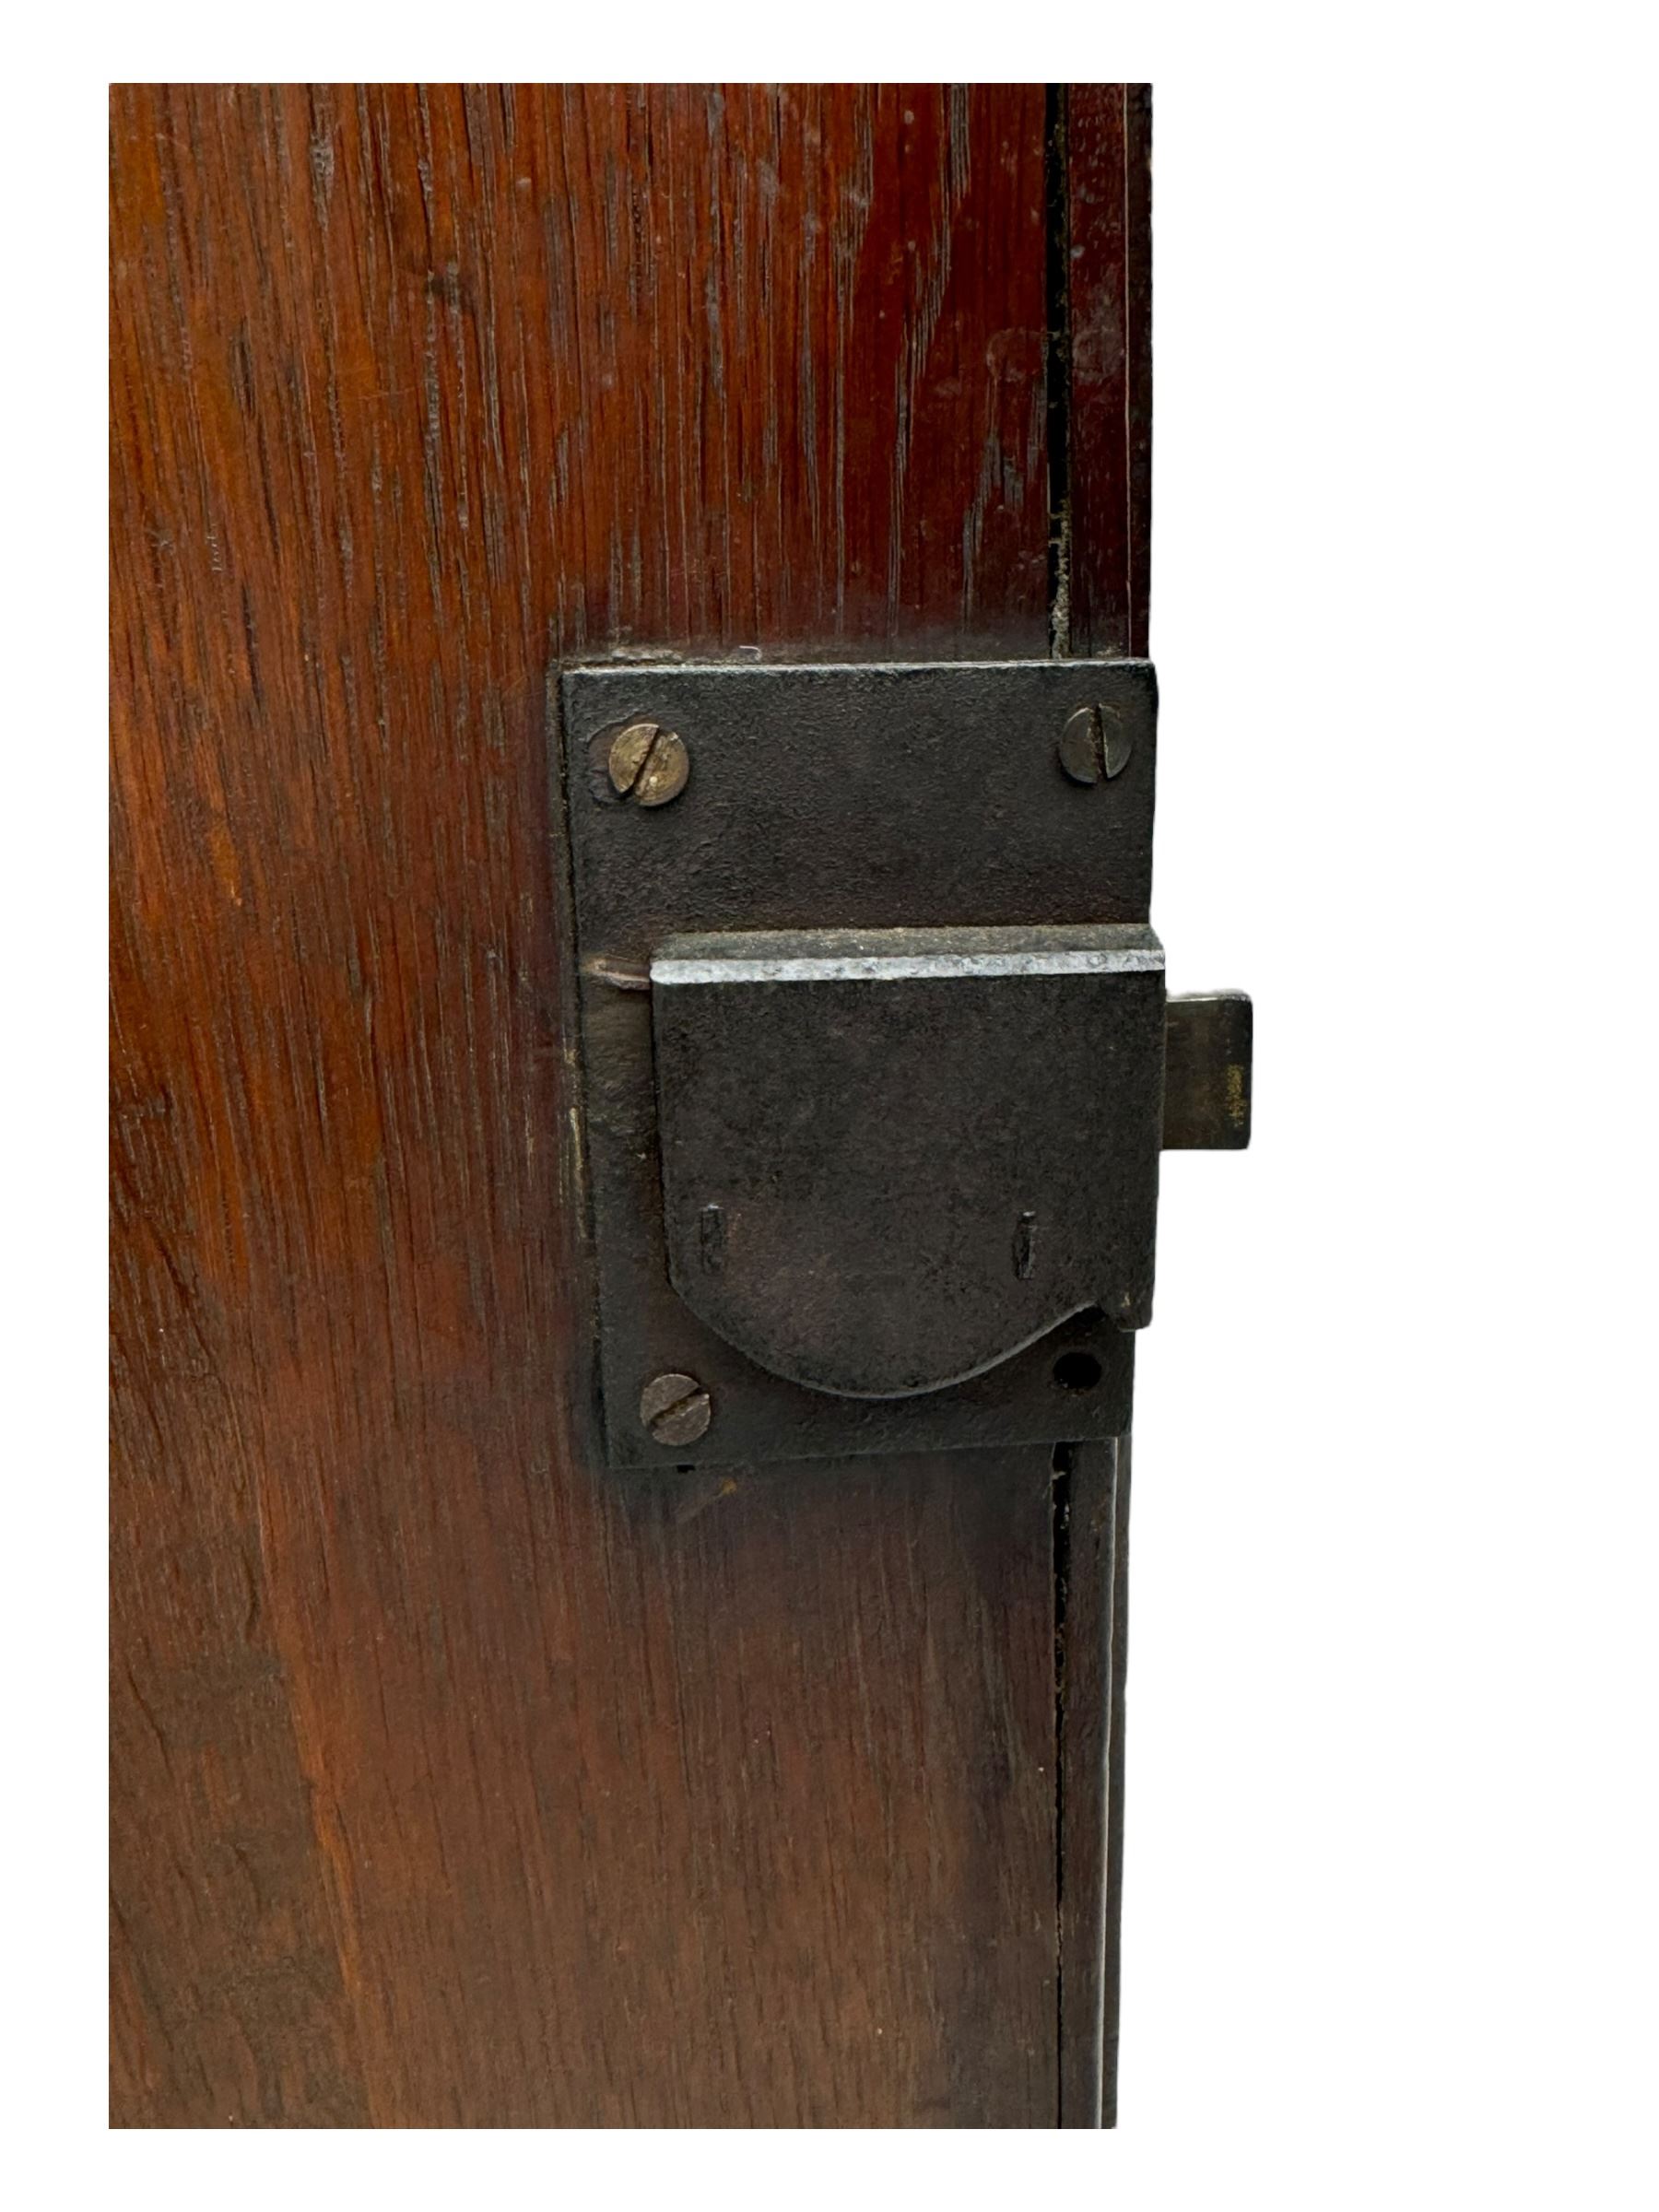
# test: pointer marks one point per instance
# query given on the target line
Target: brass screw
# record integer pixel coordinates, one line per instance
(675, 1409)
(1093, 744)
(648, 764)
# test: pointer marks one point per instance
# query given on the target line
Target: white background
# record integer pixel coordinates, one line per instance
(1392, 1846)
(1389, 1937)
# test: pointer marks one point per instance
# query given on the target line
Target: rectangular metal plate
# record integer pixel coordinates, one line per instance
(892, 1158)
(832, 798)
(1208, 1053)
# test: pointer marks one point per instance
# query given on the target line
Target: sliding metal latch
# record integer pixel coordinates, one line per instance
(877, 1057)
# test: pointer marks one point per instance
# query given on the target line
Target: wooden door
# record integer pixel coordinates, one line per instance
(457, 1782)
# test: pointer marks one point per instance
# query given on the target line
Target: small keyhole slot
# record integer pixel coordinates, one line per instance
(1077, 1370)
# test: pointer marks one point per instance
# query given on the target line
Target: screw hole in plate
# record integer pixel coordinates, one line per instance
(1077, 1370)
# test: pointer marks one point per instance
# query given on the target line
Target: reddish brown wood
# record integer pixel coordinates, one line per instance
(1102, 263)
(455, 1780)
(1092, 1592)
(1108, 166)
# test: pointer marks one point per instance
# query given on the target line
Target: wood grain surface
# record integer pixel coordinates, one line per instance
(455, 1780)
(1108, 312)
(1091, 1640)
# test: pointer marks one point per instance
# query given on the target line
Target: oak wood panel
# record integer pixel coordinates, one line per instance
(1091, 1638)
(454, 1781)
(1100, 263)
(1108, 322)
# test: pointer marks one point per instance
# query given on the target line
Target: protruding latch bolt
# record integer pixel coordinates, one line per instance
(675, 1409)
(1095, 745)
(648, 764)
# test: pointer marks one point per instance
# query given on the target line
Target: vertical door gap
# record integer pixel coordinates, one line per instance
(1061, 1508)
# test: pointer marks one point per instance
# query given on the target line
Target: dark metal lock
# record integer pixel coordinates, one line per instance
(877, 1062)
(892, 1160)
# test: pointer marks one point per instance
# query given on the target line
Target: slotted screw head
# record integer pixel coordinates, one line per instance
(648, 764)
(675, 1409)
(1093, 744)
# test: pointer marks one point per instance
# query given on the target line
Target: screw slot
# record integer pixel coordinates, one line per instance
(675, 1409)
(643, 765)
(1094, 744)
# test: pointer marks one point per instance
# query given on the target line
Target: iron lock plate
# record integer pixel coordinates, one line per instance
(873, 1050)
